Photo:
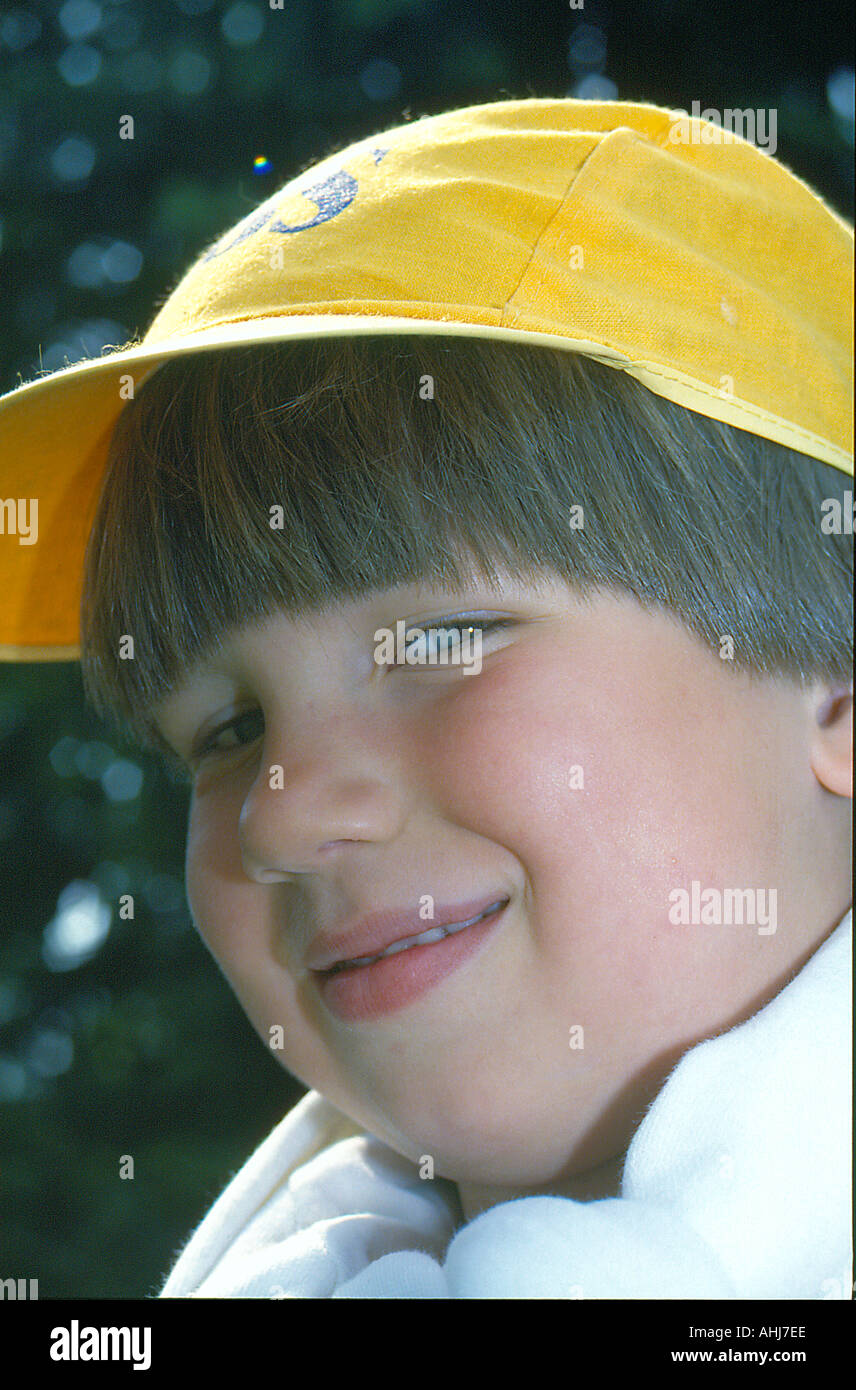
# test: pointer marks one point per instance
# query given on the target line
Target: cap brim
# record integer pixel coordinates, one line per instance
(55, 434)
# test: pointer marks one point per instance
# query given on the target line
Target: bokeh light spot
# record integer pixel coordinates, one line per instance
(92, 759)
(380, 80)
(18, 29)
(73, 159)
(50, 1052)
(62, 756)
(242, 24)
(80, 18)
(121, 262)
(79, 65)
(587, 48)
(123, 780)
(14, 1083)
(189, 73)
(595, 87)
(78, 929)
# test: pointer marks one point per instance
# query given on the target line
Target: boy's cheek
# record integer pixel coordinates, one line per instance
(220, 895)
(504, 758)
(533, 767)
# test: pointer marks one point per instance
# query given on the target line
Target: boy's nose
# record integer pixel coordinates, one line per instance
(302, 820)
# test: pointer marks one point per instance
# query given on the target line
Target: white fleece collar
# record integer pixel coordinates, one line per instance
(736, 1184)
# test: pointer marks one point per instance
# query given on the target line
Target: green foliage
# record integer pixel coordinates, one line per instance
(142, 1049)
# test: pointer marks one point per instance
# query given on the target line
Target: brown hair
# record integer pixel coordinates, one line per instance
(384, 480)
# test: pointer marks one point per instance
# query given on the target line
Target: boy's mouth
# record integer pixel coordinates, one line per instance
(361, 988)
(390, 930)
(425, 938)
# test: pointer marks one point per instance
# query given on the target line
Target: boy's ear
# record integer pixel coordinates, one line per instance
(832, 737)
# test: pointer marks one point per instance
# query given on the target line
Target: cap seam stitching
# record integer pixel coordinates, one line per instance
(602, 137)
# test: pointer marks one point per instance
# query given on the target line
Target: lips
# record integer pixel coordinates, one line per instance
(372, 936)
(360, 995)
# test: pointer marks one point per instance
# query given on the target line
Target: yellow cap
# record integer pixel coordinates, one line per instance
(663, 246)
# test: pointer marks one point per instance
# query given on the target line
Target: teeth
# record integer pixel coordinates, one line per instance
(426, 939)
(434, 934)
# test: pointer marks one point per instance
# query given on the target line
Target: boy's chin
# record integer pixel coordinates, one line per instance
(516, 1167)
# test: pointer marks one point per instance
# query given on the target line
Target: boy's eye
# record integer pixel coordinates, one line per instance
(250, 723)
(243, 729)
(441, 642)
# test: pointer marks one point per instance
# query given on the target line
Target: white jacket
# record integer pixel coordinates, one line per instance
(737, 1184)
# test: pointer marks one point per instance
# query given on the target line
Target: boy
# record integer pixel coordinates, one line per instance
(471, 544)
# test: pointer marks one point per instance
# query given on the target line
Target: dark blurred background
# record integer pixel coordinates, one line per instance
(120, 1037)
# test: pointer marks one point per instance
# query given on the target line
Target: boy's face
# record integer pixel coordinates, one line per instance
(600, 759)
